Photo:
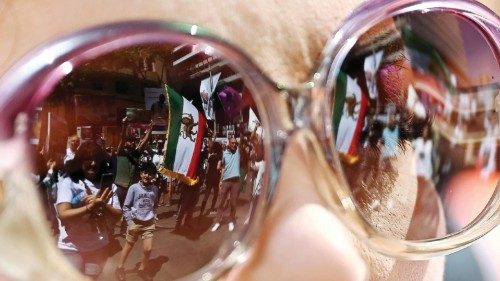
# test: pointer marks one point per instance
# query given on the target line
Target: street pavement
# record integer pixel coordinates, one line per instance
(177, 253)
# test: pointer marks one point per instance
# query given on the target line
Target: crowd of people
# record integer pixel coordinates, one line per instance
(93, 188)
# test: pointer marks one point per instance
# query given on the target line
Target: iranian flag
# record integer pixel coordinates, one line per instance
(349, 116)
(185, 130)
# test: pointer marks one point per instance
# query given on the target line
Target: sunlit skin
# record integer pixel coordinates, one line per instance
(147, 177)
(90, 169)
(74, 142)
(233, 144)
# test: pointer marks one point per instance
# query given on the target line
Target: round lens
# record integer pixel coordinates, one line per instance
(155, 146)
(416, 126)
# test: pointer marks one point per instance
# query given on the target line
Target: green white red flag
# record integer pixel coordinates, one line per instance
(185, 131)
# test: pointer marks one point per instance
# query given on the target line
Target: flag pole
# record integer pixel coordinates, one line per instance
(210, 100)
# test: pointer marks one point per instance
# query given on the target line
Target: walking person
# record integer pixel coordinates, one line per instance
(188, 200)
(212, 178)
(139, 211)
(230, 166)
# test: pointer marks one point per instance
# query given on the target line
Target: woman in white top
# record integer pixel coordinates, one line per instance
(83, 205)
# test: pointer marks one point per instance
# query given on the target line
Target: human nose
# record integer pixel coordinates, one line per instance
(301, 228)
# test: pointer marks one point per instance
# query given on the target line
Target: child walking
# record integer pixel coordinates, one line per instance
(139, 210)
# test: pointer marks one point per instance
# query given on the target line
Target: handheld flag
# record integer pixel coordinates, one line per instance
(207, 88)
(350, 119)
(185, 130)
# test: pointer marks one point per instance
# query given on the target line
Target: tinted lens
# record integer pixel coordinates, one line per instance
(172, 130)
(415, 123)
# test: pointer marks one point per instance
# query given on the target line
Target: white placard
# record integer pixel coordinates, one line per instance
(207, 88)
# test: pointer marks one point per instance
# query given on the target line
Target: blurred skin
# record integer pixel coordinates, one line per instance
(232, 144)
(301, 239)
(89, 169)
(73, 143)
(146, 177)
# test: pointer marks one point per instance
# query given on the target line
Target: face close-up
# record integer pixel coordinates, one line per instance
(74, 142)
(300, 235)
(146, 177)
(232, 144)
(90, 169)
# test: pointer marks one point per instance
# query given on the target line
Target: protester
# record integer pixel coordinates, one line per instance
(128, 159)
(230, 165)
(164, 183)
(257, 167)
(46, 176)
(83, 208)
(139, 210)
(188, 200)
(73, 143)
(212, 178)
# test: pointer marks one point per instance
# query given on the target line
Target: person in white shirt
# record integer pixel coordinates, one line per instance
(84, 206)
(423, 154)
(73, 144)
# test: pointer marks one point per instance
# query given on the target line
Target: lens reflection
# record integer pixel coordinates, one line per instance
(415, 124)
(150, 151)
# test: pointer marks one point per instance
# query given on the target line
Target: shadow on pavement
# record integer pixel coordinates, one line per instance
(194, 228)
(167, 214)
(154, 266)
(114, 246)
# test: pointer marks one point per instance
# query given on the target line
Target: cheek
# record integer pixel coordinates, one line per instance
(459, 194)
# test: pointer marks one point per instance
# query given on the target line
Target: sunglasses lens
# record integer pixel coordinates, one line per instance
(173, 131)
(415, 123)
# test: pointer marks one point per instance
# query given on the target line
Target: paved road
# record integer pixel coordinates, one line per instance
(176, 254)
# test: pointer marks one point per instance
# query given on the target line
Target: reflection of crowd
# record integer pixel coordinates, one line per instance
(92, 188)
(380, 143)
(236, 166)
(423, 148)
(390, 103)
(487, 155)
(212, 177)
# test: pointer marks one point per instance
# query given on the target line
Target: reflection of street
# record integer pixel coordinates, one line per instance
(176, 254)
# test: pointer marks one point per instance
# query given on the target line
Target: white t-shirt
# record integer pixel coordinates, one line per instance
(81, 235)
(157, 160)
(70, 155)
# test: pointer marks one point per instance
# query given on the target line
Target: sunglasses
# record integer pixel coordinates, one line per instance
(405, 100)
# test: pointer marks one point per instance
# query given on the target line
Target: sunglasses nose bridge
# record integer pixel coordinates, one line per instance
(300, 105)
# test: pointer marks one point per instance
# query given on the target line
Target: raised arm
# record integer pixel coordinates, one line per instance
(122, 135)
(146, 137)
